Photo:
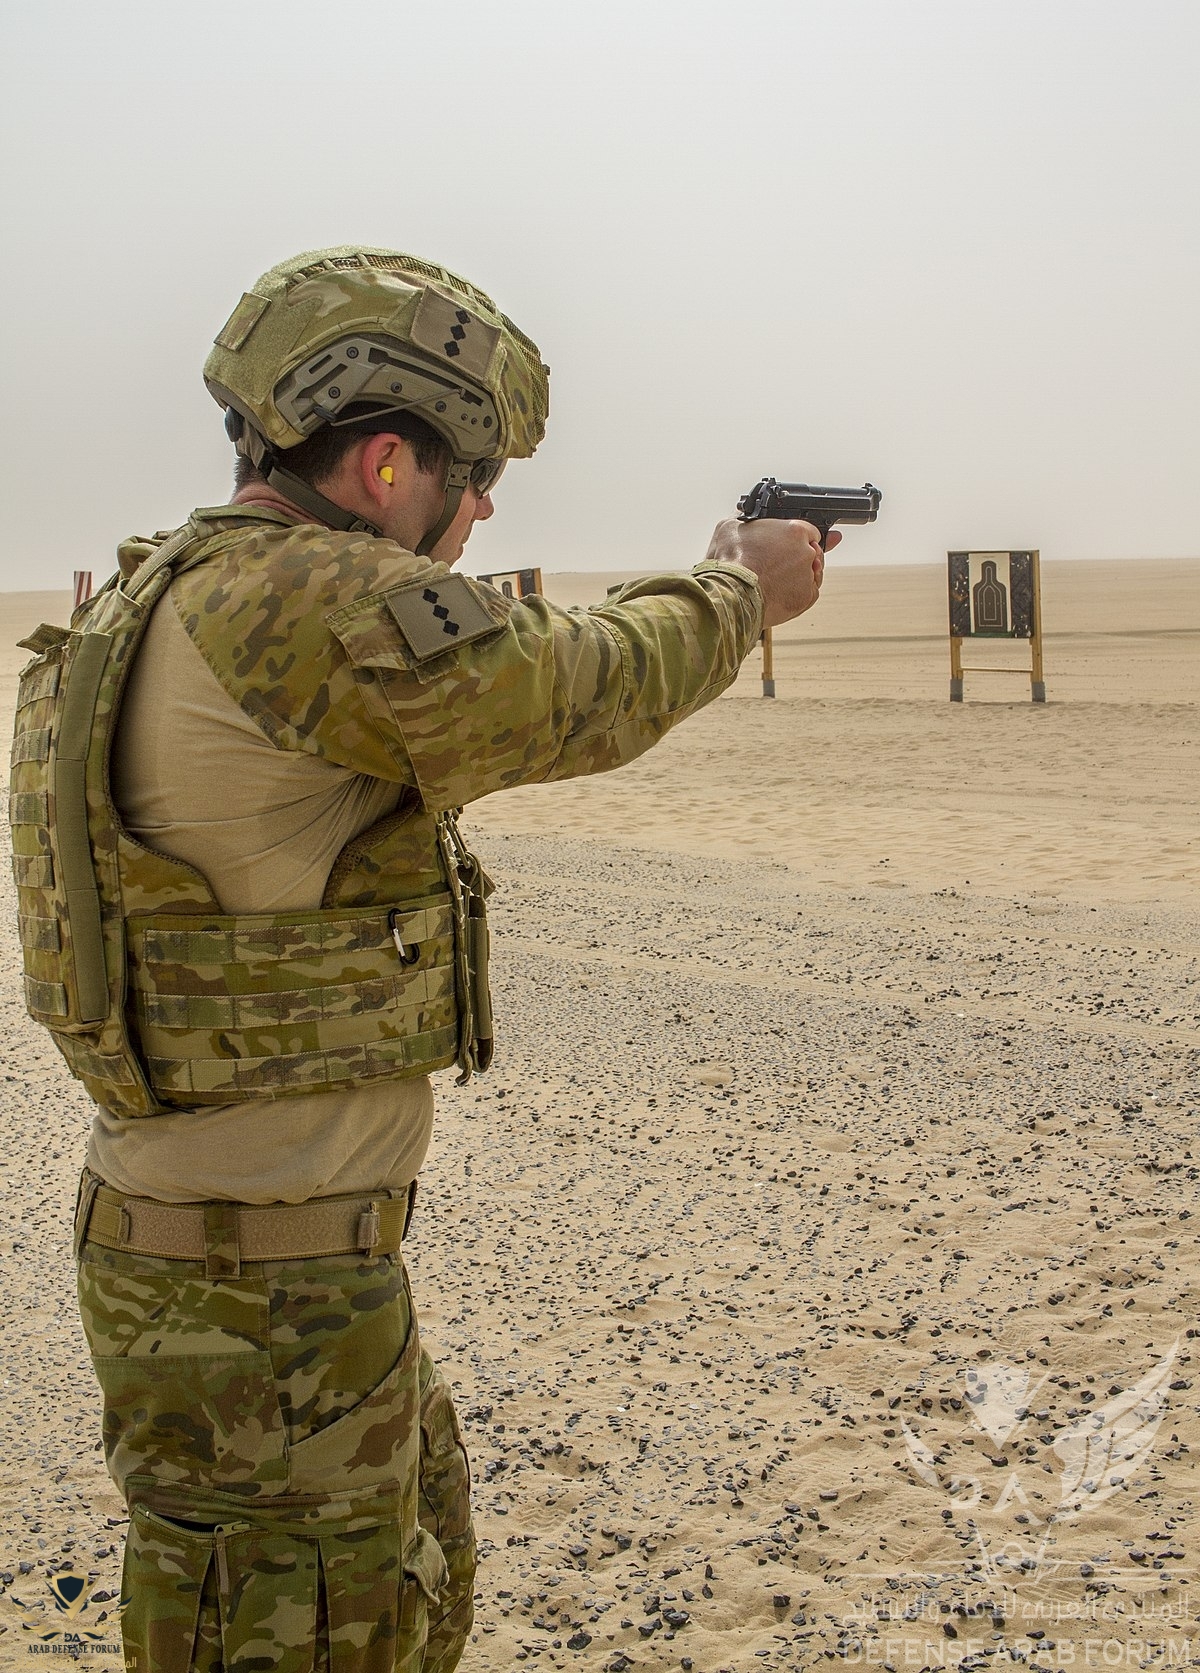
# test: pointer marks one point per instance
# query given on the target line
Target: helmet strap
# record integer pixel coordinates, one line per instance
(252, 445)
(457, 478)
(304, 495)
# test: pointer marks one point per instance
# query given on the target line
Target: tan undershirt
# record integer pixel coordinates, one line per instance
(195, 778)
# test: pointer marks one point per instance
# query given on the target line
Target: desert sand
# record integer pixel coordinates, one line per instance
(816, 1268)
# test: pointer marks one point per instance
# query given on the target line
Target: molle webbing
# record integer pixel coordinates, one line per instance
(253, 1005)
(78, 877)
(67, 840)
(59, 912)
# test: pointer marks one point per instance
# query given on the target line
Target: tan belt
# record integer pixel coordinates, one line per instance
(224, 1234)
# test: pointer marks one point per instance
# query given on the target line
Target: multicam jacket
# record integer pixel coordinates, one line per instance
(360, 653)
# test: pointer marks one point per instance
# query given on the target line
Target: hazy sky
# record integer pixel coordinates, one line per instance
(952, 246)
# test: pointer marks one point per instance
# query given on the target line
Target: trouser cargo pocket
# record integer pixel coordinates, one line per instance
(185, 1366)
(346, 1594)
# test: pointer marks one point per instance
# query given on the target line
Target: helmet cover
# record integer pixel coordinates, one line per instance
(371, 330)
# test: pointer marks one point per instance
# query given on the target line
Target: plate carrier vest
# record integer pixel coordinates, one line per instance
(157, 999)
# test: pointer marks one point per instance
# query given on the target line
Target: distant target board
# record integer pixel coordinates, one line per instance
(515, 583)
(995, 595)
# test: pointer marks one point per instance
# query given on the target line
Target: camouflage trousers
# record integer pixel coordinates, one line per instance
(298, 1490)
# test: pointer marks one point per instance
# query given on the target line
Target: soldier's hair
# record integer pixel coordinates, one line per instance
(320, 455)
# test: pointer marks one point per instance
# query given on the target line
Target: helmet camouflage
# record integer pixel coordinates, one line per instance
(372, 330)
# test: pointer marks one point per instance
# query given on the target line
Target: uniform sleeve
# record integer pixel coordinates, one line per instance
(547, 693)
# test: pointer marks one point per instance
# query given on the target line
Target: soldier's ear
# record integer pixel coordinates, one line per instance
(381, 466)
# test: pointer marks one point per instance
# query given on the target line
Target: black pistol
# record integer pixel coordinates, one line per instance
(823, 507)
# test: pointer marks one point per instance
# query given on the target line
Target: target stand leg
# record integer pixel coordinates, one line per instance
(768, 664)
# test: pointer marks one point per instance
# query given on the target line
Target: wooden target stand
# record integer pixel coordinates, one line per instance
(515, 583)
(995, 595)
(768, 666)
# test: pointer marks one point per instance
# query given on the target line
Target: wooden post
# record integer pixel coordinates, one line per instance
(768, 668)
(956, 669)
(1037, 676)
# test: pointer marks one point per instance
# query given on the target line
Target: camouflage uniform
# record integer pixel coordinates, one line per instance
(297, 1483)
(295, 1475)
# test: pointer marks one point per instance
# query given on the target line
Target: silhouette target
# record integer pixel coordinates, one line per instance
(998, 602)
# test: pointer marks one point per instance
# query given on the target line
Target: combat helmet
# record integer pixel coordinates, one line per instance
(356, 332)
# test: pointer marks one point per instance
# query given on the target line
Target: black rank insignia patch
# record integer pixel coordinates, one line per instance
(435, 616)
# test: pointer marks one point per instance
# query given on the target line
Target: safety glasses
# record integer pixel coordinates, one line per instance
(485, 474)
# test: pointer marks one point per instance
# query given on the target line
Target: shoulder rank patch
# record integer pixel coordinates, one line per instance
(435, 616)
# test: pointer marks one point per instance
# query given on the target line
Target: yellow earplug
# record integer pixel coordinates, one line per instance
(387, 474)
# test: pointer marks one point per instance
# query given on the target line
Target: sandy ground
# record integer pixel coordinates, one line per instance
(817, 1266)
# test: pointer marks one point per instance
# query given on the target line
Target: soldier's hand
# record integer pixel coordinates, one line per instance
(785, 556)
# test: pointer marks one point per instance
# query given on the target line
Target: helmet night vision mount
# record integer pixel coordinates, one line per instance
(339, 336)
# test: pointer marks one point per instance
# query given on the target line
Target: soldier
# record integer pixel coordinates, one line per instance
(253, 925)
